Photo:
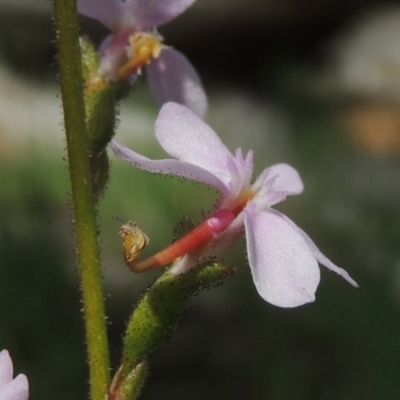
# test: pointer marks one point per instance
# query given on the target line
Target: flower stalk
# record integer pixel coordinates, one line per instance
(83, 199)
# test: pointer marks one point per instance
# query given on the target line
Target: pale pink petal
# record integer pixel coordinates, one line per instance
(325, 261)
(284, 269)
(153, 13)
(280, 178)
(319, 256)
(110, 13)
(185, 136)
(247, 165)
(169, 166)
(11, 389)
(239, 171)
(6, 367)
(266, 199)
(17, 389)
(173, 78)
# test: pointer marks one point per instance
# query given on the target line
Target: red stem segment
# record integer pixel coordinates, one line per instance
(202, 234)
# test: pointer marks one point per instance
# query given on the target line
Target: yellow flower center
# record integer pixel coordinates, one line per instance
(240, 202)
(143, 48)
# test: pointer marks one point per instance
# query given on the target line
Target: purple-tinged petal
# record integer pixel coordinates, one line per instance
(280, 178)
(111, 13)
(284, 269)
(168, 167)
(153, 13)
(325, 261)
(173, 78)
(185, 136)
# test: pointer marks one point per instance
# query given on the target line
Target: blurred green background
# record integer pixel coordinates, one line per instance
(313, 84)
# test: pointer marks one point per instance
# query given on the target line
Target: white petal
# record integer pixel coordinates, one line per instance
(284, 269)
(173, 78)
(6, 367)
(169, 166)
(325, 261)
(153, 13)
(281, 178)
(184, 136)
(17, 389)
(108, 12)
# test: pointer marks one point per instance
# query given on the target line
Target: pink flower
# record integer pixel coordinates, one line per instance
(11, 389)
(282, 258)
(134, 44)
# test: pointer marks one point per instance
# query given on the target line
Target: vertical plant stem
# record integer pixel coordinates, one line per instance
(83, 200)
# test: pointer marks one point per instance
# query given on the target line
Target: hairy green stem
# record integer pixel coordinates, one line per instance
(83, 200)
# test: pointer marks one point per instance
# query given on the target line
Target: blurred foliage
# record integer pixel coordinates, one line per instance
(39, 302)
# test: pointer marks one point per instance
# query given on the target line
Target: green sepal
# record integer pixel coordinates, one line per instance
(90, 58)
(100, 99)
(159, 311)
(129, 388)
(100, 166)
